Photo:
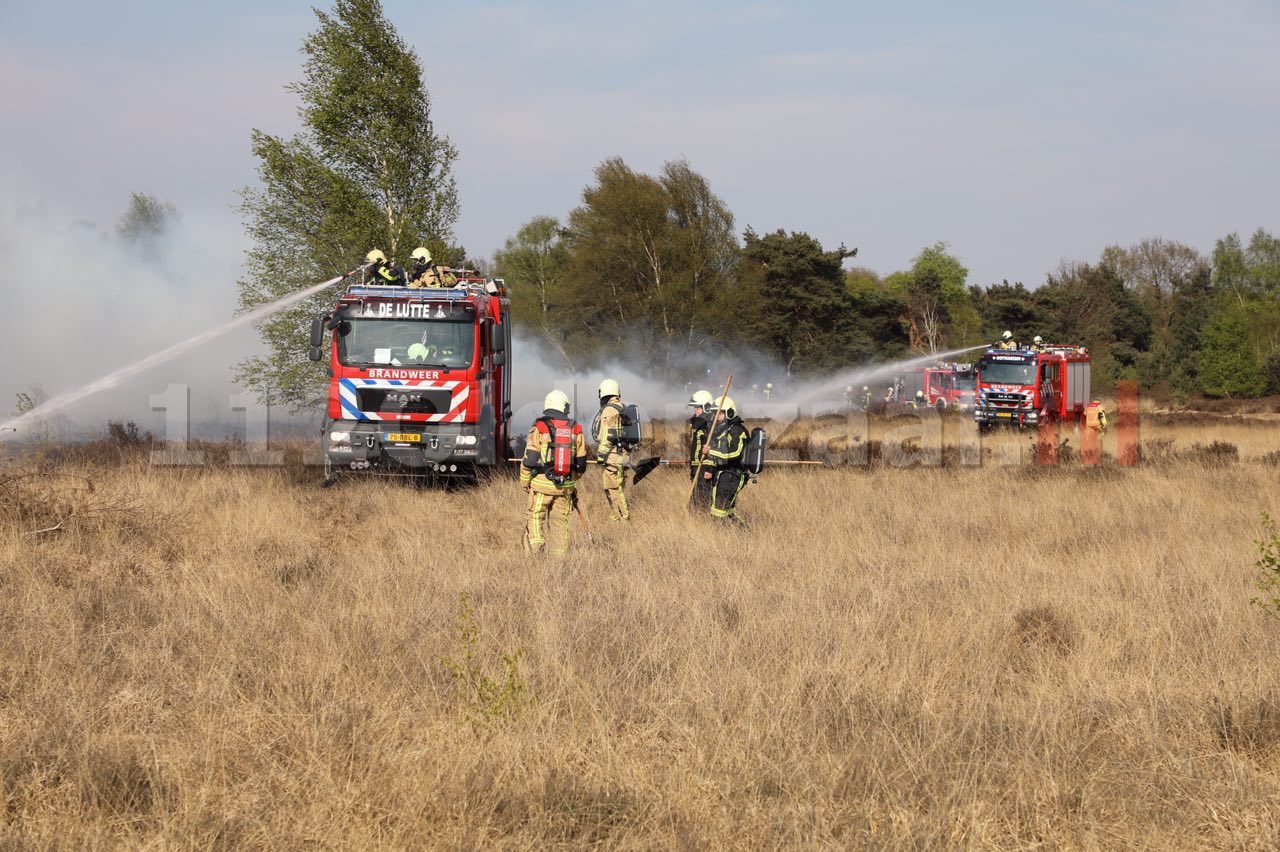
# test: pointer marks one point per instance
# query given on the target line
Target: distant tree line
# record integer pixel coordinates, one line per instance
(652, 267)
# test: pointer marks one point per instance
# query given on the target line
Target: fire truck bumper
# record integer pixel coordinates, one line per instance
(415, 448)
(1014, 416)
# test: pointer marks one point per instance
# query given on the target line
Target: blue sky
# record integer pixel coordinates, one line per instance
(1020, 133)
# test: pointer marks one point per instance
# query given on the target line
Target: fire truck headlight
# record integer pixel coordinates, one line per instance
(340, 437)
(466, 440)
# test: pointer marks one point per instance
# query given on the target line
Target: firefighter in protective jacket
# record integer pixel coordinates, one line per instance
(382, 272)
(725, 466)
(611, 453)
(701, 401)
(698, 427)
(423, 272)
(554, 458)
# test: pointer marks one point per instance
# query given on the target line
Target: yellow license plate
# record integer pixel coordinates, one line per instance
(404, 437)
(1004, 414)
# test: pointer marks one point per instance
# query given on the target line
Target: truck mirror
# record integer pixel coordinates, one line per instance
(317, 333)
(314, 354)
(498, 334)
(499, 359)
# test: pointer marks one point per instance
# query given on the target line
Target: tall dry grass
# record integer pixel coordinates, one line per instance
(991, 656)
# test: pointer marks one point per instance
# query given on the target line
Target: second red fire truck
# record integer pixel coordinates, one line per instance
(1024, 387)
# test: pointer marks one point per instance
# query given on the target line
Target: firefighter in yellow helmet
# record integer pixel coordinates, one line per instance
(381, 272)
(612, 452)
(1007, 341)
(919, 401)
(725, 466)
(1037, 344)
(555, 456)
(423, 272)
(702, 402)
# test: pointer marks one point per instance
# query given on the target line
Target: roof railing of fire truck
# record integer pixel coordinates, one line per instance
(468, 285)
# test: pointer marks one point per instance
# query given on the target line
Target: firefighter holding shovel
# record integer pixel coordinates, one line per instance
(725, 464)
(554, 458)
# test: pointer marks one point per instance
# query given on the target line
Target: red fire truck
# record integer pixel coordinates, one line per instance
(420, 383)
(1024, 387)
(950, 386)
(945, 385)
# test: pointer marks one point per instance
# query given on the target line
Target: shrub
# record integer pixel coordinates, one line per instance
(487, 699)
(1268, 566)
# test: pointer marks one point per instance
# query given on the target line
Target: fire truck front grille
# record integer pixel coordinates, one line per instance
(404, 401)
(1005, 400)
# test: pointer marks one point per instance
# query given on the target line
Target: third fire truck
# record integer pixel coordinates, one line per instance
(1025, 387)
(945, 386)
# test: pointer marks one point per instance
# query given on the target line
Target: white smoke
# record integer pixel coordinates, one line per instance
(83, 303)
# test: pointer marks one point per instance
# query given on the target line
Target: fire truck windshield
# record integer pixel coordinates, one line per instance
(364, 342)
(966, 383)
(1007, 373)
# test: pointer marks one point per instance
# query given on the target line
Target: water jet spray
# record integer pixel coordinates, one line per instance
(111, 380)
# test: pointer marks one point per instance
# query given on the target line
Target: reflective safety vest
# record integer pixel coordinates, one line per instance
(1094, 418)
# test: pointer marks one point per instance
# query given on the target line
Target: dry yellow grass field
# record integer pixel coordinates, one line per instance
(993, 656)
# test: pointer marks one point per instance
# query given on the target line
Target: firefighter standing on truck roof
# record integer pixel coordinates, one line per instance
(554, 457)
(1037, 344)
(381, 272)
(726, 458)
(423, 272)
(1006, 341)
(701, 401)
(611, 454)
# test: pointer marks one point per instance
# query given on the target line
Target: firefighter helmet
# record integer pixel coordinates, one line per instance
(375, 256)
(848, 388)
(557, 400)
(421, 254)
(1008, 335)
(1037, 339)
(728, 407)
(865, 388)
(608, 388)
(418, 351)
(919, 394)
(701, 397)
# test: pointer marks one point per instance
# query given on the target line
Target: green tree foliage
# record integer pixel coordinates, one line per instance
(367, 170)
(1228, 364)
(145, 223)
(1012, 307)
(1263, 259)
(1152, 270)
(935, 295)
(794, 303)
(1271, 373)
(650, 261)
(532, 263)
(1192, 301)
